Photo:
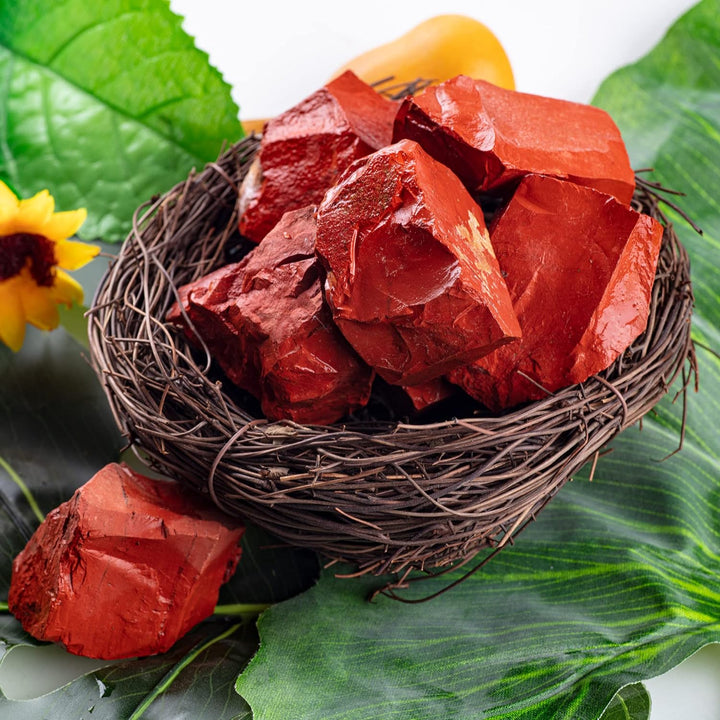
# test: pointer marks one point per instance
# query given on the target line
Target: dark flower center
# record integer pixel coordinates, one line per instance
(17, 249)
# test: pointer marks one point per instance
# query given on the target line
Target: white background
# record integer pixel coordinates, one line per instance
(276, 53)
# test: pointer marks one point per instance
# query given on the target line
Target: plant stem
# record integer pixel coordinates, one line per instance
(241, 609)
(165, 683)
(4, 607)
(23, 488)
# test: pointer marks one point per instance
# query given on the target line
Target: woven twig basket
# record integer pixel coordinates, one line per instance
(384, 496)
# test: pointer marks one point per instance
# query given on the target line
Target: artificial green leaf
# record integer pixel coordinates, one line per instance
(631, 703)
(269, 571)
(668, 109)
(193, 681)
(616, 582)
(105, 104)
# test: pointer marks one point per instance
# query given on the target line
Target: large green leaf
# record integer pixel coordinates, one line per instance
(193, 681)
(105, 103)
(631, 703)
(617, 581)
(668, 109)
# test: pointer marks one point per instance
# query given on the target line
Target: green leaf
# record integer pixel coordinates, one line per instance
(616, 582)
(668, 109)
(631, 703)
(105, 104)
(194, 680)
(268, 571)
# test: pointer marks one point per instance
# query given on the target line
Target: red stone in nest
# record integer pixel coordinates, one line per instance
(304, 150)
(124, 568)
(428, 393)
(412, 279)
(266, 323)
(580, 268)
(490, 137)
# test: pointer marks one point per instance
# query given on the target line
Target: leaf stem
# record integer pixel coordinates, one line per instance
(241, 609)
(23, 488)
(165, 683)
(4, 607)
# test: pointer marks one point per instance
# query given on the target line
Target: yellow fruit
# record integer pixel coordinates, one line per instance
(437, 49)
(256, 125)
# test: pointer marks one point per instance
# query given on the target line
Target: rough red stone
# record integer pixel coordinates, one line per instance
(490, 137)
(266, 323)
(124, 568)
(304, 150)
(580, 267)
(412, 279)
(428, 393)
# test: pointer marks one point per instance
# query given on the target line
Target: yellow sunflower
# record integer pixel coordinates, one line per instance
(33, 249)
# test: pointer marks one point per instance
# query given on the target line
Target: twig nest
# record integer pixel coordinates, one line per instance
(382, 494)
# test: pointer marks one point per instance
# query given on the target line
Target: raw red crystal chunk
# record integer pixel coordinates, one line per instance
(124, 568)
(580, 268)
(428, 393)
(304, 150)
(412, 279)
(490, 137)
(266, 323)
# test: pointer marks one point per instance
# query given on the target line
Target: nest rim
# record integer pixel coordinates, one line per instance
(384, 497)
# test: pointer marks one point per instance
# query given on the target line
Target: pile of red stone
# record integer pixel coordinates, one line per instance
(374, 258)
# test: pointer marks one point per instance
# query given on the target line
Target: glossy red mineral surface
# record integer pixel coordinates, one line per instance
(428, 393)
(266, 323)
(304, 150)
(124, 568)
(412, 278)
(580, 268)
(490, 137)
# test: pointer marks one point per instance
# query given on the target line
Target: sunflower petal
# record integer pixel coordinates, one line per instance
(72, 255)
(65, 289)
(64, 224)
(40, 308)
(12, 315)
(34, 213)
(8, 201)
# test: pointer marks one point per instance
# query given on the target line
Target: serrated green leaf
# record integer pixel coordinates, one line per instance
(616, 582)
(105, 104)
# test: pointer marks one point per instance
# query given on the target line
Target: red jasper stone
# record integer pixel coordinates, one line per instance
(266, 323)
(124, 568)
(490, 137)
(412, 279)
(580, 268)
(428, 393)
(304, 150)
